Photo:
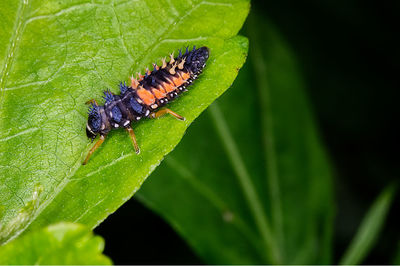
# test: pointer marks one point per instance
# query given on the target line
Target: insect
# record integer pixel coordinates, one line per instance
(145, 96)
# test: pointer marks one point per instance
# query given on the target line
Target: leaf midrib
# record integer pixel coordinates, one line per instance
(268, 138)
(247, 185)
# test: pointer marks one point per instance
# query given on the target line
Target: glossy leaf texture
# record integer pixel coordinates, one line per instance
(60, 54)
(62, 244)
(251, 183)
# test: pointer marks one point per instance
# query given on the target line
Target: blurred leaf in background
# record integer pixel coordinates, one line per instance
(396, 260)
(369, 229)
(62, 244)
(56, 56)
(251, 183)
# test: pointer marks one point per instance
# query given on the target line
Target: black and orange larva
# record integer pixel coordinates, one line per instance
(145, 96)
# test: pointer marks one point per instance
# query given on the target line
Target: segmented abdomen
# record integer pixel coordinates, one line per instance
(153, 90)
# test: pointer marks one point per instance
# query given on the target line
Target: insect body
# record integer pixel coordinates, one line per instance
(145, 96)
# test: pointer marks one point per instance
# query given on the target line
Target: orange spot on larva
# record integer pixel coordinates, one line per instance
(158, 93)
(178, 81)
(134, 83)
(146, 96)
(139, 76)
(168, 87)
(161, 88)
(184, 75)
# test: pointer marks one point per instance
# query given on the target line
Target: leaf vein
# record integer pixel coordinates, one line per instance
(158, 41)
(120, 33)
(207, 193)
(61, 12)
(27, 131)
(13, 44)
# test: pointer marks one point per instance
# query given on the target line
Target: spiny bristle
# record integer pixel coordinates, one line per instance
(139, 76)
(164, 64)
(108, 96)
(134, 82)
(93, 110)
(180, 66)
(123, 88)
(147, 72)
(155, 67)
(172, 60)
(172, 69)
(190, 54)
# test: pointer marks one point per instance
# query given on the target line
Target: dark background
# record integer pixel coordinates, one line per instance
(348, 53)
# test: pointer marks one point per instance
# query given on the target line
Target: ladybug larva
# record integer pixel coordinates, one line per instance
(145, 96)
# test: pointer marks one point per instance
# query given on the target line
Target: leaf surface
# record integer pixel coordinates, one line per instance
(60, 54)
(369, 229)
(250, 183)
(396, 259)
(62, 244)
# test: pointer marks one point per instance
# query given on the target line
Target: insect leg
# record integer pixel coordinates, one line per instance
(133, 138)
(166, 111)
(92, 150)
(91, 101)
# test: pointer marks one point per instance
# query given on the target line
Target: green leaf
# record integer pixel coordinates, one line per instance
(250, 183)
(396, 260)
(369, 229)
(58, 55)
(62, 243)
